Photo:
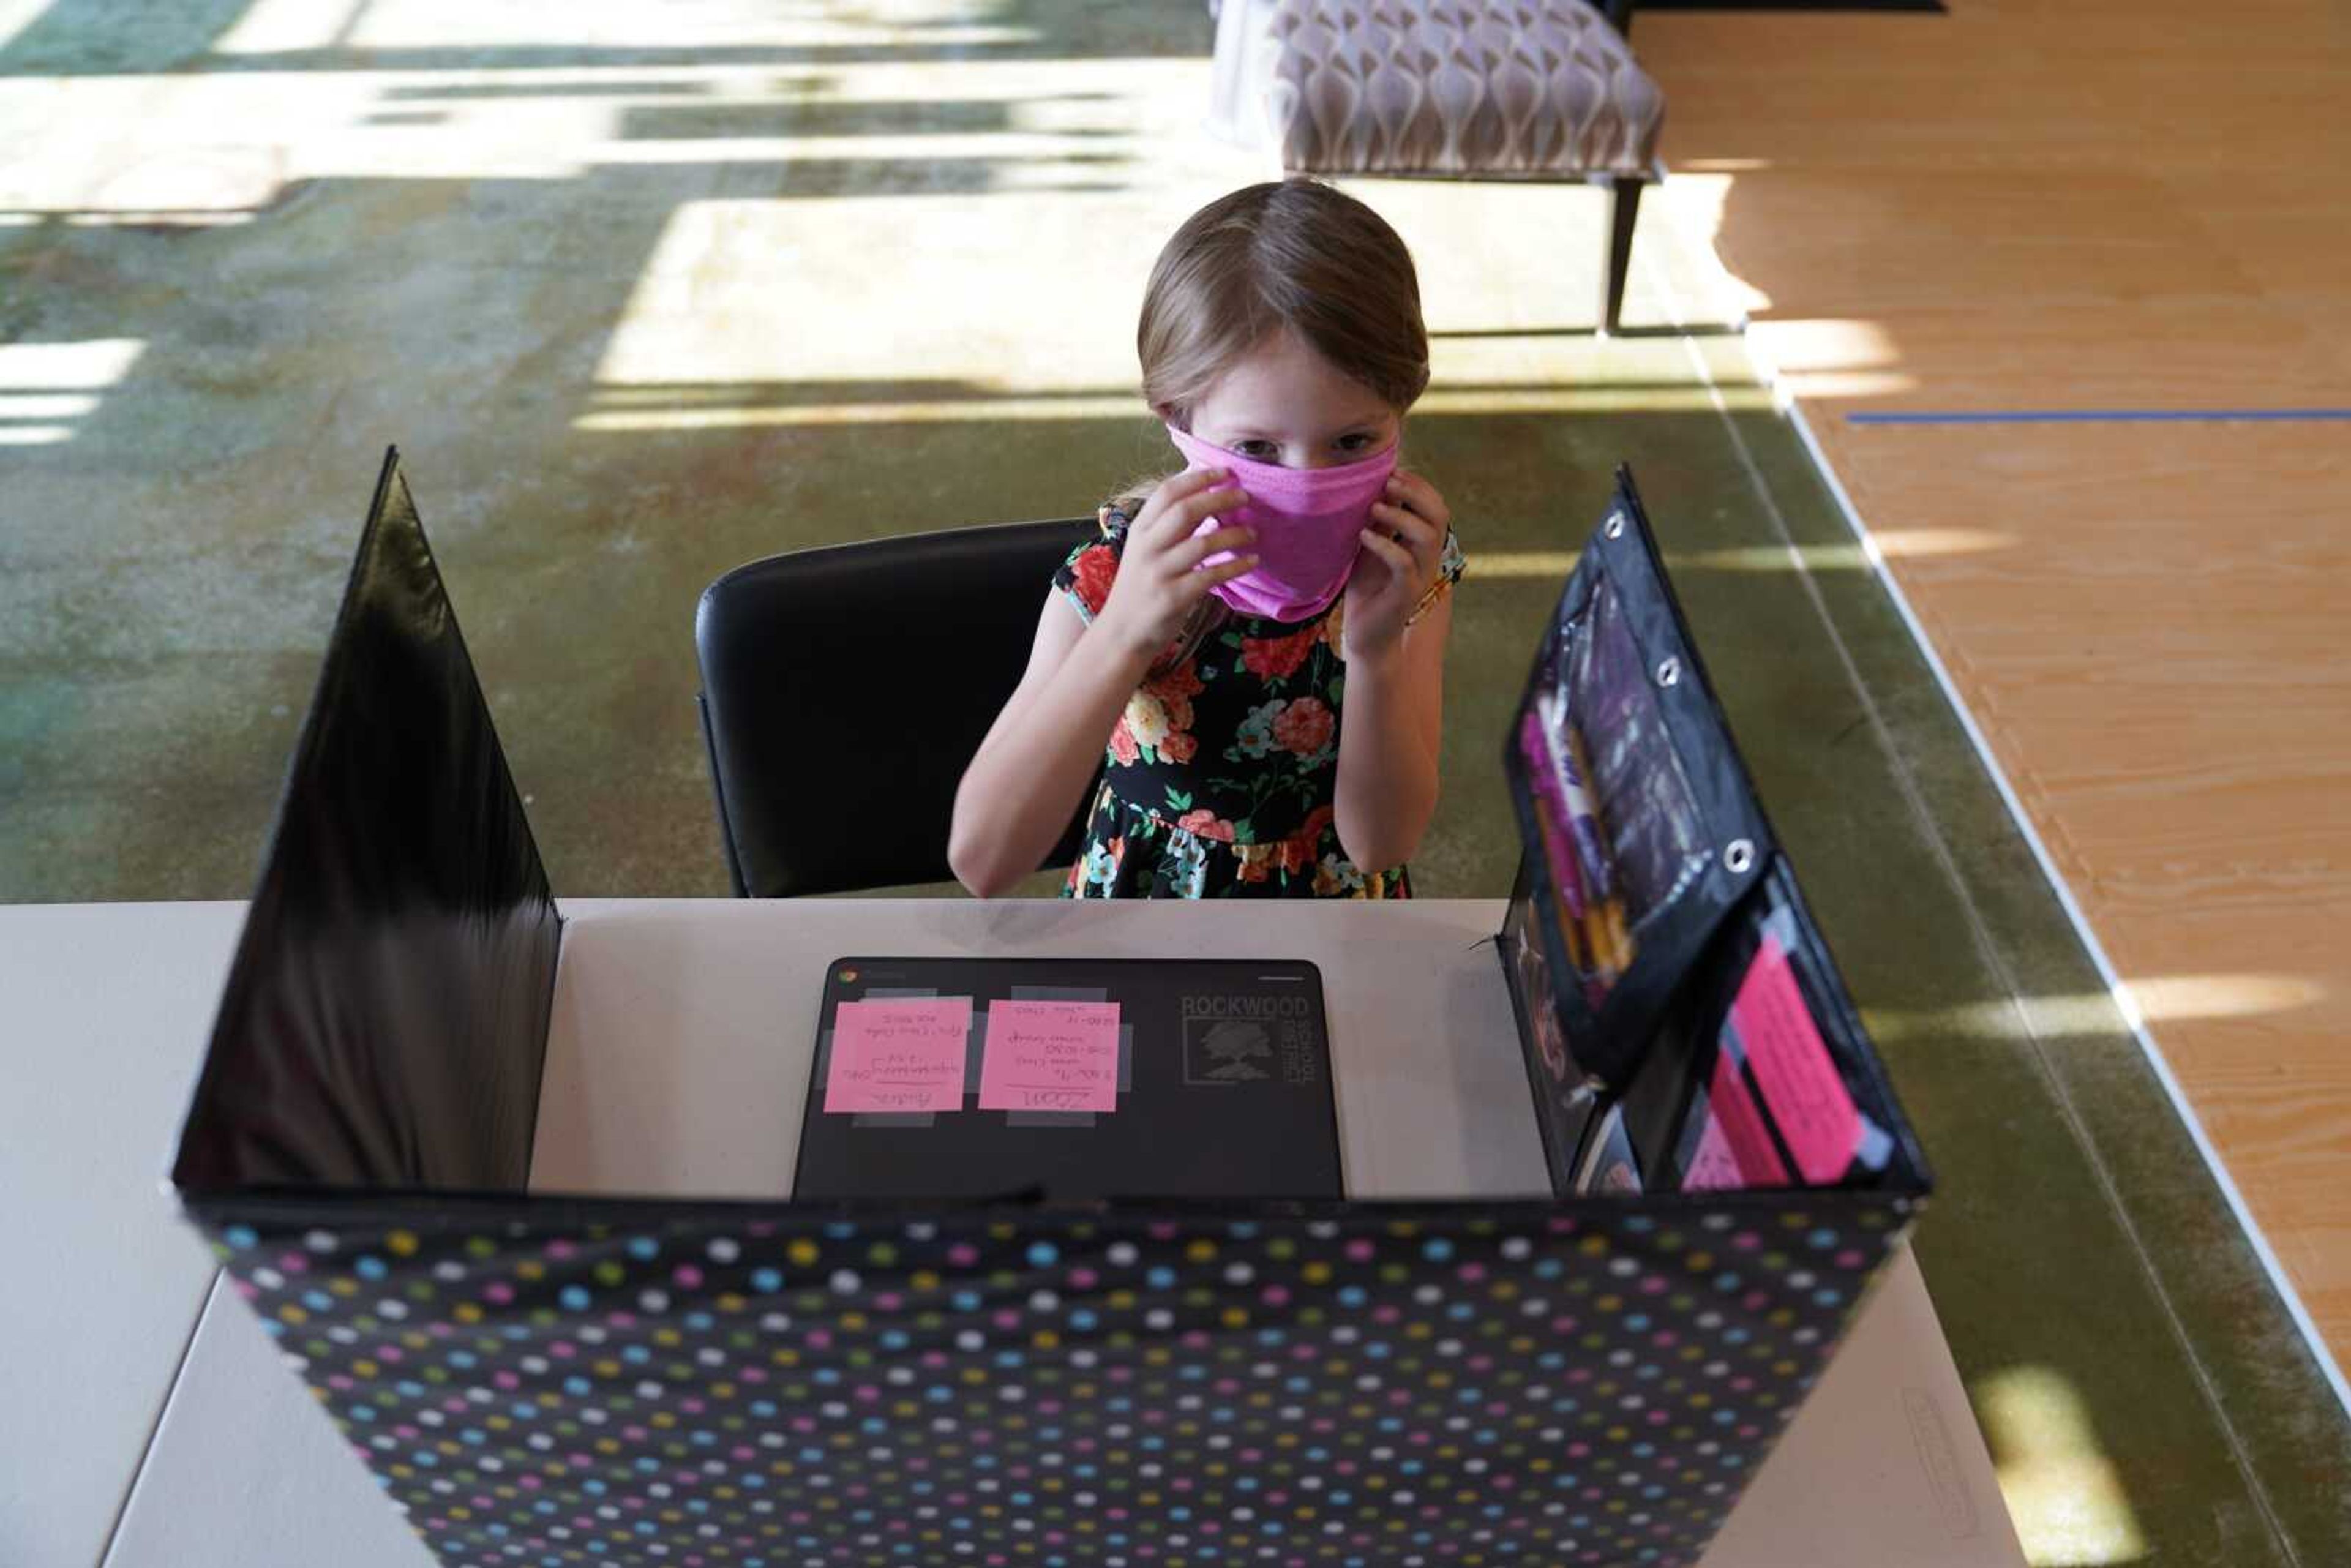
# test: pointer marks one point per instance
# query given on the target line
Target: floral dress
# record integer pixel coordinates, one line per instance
(1223, 771)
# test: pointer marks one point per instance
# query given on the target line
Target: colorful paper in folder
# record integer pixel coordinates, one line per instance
(1734, 1146)
(1774, 1075)
(1799, 1082)
(1590, 914)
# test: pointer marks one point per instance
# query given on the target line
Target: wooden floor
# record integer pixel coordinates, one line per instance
(2098, 205)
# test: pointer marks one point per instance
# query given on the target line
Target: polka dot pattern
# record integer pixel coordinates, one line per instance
(1387, 1388)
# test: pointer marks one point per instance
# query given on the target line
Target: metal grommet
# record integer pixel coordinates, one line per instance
(1615, 525)
(1740, 858)
(1669, 672)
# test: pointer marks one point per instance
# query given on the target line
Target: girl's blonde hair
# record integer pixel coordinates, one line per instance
(1289, 253)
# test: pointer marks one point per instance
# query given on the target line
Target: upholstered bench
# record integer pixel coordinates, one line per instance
(1448, 89)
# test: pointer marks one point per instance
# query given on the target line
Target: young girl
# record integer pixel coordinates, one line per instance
(1262, 636)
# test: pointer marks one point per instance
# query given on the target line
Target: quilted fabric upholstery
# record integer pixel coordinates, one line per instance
(1466, 87)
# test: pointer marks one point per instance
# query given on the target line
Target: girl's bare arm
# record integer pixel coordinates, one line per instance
(1395, 710)
(1024, 781)
(1389, 729)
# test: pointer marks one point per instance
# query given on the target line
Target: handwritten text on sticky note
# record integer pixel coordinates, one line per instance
(1051, 1056)
(906, 1054)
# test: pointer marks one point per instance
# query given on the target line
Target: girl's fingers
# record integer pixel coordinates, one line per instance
(1398, 558)
(1176, 486)
(1417, 494)
(1192, 498)
(1192, 510)
(1198, 582)
(1190, 554)
(1413, 486)
(1417, 530)
(1420, 536)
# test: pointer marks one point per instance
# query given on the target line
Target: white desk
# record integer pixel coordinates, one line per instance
(679, 1052)
(677, 1062)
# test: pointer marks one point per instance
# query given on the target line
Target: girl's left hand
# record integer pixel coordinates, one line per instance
(1403, 549)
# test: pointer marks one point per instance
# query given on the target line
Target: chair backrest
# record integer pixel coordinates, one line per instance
(845, 688)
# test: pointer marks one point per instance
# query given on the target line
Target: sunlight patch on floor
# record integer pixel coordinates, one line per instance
(2062, 1490)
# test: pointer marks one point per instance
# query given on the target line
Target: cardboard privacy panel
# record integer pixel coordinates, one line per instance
(1153, 1380)
(1376, 1384)
(386, 1014)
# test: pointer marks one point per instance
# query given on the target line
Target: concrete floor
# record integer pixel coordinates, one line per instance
(642, 296)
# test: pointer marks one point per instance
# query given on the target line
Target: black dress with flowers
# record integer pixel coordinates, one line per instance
(1223, 771)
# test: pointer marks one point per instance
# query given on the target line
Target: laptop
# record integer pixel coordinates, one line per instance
(1076, 1080)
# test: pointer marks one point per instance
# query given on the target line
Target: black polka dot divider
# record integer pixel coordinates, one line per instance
(1375, 1387)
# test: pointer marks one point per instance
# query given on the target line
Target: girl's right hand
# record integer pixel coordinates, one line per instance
(1160, 577)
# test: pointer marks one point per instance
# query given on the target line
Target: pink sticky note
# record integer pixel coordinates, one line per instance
(902, 1054)
(1049, 1056)
(1799, 1082)
(1741, 1127)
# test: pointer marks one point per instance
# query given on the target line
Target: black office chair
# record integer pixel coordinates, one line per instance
(845, 688)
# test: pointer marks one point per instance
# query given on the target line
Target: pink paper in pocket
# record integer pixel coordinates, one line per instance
(1793, 1070)
(1738, 1151)
(1713, 1167)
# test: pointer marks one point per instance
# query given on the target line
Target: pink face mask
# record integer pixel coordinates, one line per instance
(1309, 521)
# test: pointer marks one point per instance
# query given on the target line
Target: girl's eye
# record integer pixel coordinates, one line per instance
(1355, 443)
(1263, 449)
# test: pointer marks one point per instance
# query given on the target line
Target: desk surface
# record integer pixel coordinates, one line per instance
(694, 1017)
(679, 1051)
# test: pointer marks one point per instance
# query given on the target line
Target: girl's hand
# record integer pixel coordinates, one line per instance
(1403, 550)
(1160, 577)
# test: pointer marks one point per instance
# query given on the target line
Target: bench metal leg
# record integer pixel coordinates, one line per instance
(1624, 206)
